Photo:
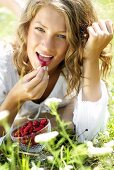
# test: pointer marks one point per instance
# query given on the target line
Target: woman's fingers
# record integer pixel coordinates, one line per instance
(100, 35)
(101, 31)
(102, 27)
(106, 26)
(35, 83)
(37, 79)
(30, 76)
(91, 31)
(38, 91)
(109, 26)
(96, 27)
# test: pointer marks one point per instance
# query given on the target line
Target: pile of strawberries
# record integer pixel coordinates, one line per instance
(28, 131)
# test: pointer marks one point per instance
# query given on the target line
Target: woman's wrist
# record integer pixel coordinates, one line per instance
(91, 57)
(91, 80)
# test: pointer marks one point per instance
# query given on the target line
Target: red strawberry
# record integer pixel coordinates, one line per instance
(37, 129)
(35, 123)
(30, 123)
(23, 141)
(41, 126)
(29, 130)
(32, 135)
(43, 63)
(43, 121)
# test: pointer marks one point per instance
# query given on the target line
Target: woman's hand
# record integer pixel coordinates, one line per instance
(100, 34)
(31, 86)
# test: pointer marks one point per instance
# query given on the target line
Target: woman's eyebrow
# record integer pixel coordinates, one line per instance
(38, 22)
(61, 31)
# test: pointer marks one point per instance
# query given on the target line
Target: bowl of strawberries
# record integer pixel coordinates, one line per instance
(25, 133)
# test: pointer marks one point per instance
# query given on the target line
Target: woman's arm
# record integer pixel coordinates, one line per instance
(91, 117)
(13, 105)
(91, 112)
(100, 34)
(30, 87)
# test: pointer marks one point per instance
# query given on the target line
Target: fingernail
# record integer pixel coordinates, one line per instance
(45, 68)
(47, 78)
(109, 21)
(38, 67)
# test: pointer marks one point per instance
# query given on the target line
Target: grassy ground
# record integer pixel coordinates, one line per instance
(64, 150)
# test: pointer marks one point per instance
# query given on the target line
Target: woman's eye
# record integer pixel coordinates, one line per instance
(61, 36)
(40, 29)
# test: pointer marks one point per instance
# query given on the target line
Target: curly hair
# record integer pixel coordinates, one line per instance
(79, 14)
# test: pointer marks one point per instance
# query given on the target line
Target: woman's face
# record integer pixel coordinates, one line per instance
(46, 41)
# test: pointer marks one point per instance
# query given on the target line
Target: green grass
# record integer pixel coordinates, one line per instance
(64, 148)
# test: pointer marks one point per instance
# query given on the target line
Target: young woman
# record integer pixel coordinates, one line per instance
(65, 37)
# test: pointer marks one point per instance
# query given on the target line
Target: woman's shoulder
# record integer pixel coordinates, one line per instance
(8, 72)
(6, 50)
(7, 69)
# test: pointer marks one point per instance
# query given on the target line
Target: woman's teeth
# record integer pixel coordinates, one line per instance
(44, 60)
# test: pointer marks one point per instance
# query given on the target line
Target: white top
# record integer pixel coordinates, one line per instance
(92, 116)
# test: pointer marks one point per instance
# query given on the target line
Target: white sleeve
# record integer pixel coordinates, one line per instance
(3, 71)
(6, 70)
(90, 117)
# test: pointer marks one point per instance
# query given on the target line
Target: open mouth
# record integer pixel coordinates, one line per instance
(44, 60)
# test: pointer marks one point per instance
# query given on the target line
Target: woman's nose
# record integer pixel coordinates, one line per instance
(48, 44)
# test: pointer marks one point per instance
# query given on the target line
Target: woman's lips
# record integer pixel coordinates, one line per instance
(44, 61)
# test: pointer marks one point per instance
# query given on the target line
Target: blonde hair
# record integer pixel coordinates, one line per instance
(79, 14)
